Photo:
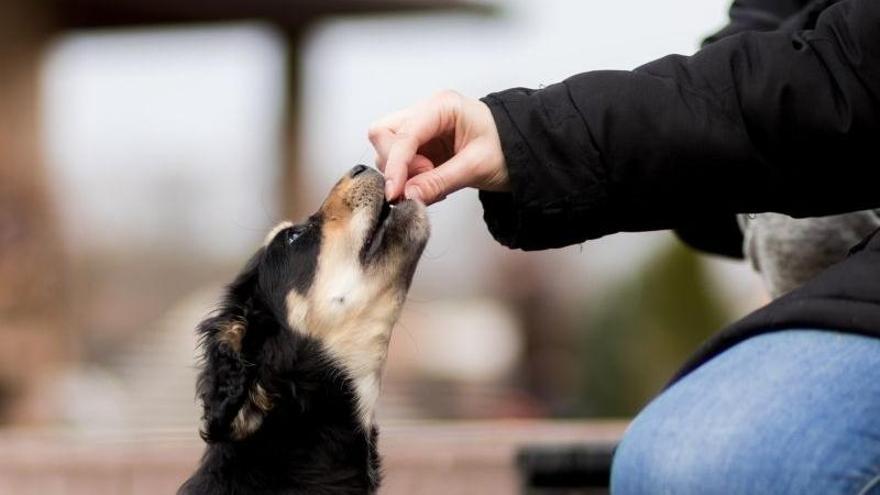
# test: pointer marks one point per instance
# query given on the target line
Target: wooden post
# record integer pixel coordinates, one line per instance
(32, 302)
(293, 205)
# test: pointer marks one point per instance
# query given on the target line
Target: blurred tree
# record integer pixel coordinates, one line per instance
(548, 367)
(639, 333)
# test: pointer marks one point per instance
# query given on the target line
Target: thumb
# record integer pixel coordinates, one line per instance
(435, 184)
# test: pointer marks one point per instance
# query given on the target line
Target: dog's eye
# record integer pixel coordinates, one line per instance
(294, 234)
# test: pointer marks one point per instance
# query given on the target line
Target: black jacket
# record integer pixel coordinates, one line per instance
(780, 111)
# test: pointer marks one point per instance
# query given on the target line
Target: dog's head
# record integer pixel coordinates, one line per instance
(318, 298)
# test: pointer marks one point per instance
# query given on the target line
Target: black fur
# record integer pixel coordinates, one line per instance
(311, 441)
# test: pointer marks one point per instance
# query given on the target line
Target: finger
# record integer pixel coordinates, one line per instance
(428, 121)
(438, 150)
(382, 141)
(438, 182)
(419, 165)
(391, 121)
(381, 135)
(400, 154)
(404, 148)
(421, 162)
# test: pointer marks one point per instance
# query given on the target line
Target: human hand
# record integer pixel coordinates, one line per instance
(439, 146)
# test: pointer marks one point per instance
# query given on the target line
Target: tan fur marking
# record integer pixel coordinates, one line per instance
(297, 311)
(251, 414)
(337, 206)
(232, 335)
(246, 422)
(275, 230)
(260, 398)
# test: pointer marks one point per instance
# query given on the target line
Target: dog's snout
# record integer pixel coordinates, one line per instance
(357, 170)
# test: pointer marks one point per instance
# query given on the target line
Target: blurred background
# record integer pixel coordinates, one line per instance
(146, 146)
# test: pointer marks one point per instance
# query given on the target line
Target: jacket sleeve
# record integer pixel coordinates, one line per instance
(774, 121)
(721, 234)
(756, 15)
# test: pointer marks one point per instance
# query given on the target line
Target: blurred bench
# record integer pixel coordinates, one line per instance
(583, 468)
(504, 457)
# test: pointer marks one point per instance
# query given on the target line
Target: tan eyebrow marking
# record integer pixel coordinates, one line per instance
(275, 230)
(232, 334)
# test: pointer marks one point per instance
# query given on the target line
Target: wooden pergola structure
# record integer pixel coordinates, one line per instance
(33, 306)
(291, 17)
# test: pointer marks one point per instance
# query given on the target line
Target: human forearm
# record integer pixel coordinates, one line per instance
(756, 122)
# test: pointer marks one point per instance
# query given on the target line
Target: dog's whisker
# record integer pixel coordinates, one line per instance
(406, 330)
(363, 154)
(419, 300)
(270, 217)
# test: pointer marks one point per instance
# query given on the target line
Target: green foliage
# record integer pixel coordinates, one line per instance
(636, 335)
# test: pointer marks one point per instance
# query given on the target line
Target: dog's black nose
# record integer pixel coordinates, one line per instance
(358, 169)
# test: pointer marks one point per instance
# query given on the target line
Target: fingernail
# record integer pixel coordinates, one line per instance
(412, 192)
(388, 188)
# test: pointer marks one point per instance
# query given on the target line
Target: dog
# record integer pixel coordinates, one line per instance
(293, 357)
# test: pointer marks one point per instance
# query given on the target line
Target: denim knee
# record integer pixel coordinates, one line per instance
(793, 412)
(658, 454)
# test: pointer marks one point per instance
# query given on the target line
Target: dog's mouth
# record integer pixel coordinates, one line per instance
(377, 232)
(395, 233)
(375, 237)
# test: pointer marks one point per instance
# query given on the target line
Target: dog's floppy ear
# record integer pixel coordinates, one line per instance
(234, 404)
(223, 382)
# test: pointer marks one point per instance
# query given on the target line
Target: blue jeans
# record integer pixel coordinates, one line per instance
(792, 412)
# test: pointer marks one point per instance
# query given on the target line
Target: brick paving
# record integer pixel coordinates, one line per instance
(447, 458)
